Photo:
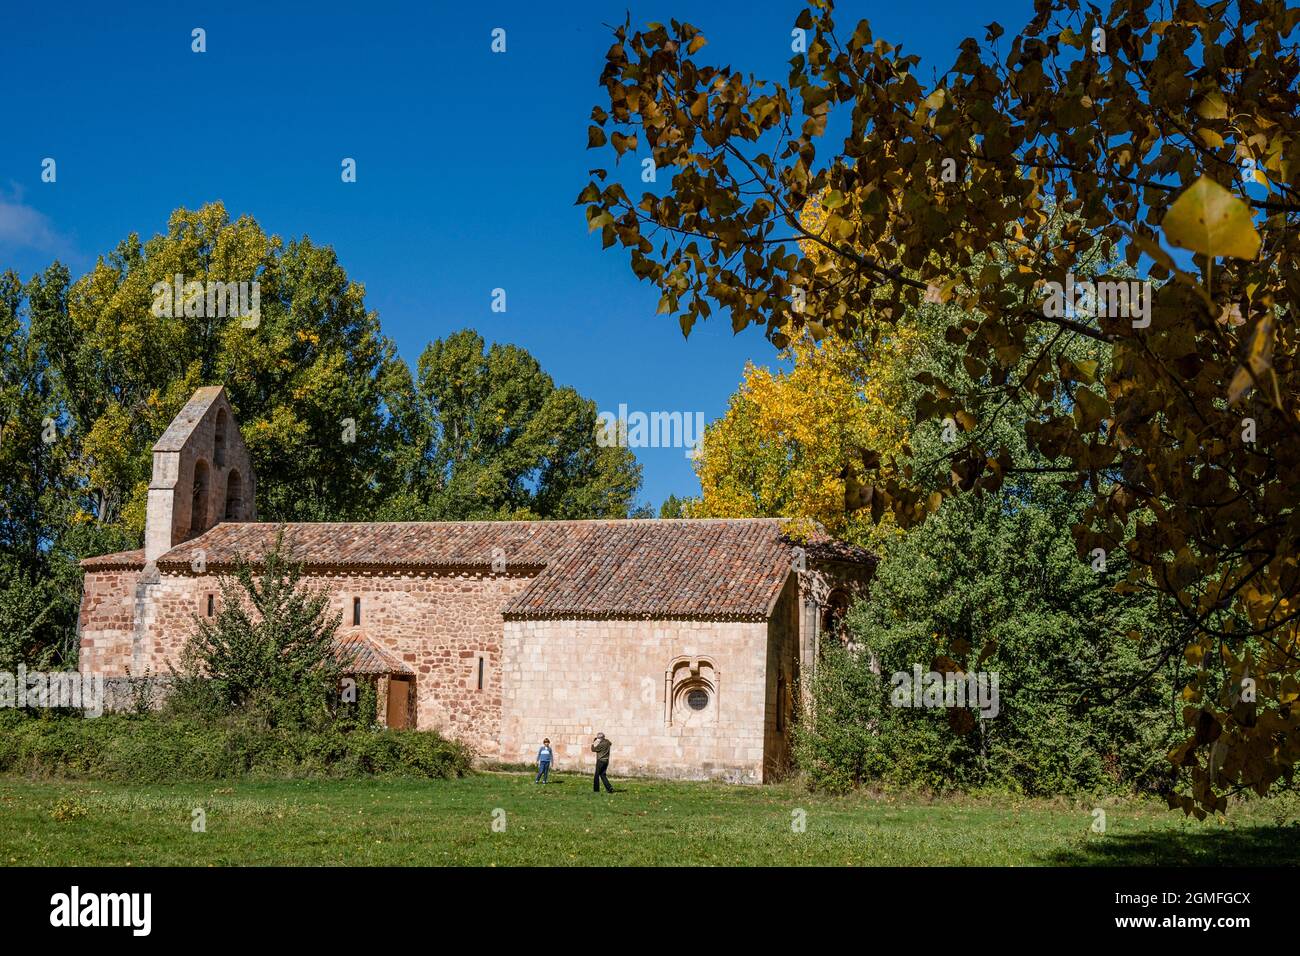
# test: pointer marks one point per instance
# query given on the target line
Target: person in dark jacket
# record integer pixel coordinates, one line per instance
(600, 747)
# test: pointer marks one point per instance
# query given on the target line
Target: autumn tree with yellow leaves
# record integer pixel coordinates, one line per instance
(781, 448)
(1149, 127)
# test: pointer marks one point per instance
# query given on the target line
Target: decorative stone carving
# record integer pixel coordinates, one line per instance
(691, 692)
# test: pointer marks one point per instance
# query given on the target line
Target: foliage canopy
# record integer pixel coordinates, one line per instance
(1087, 136)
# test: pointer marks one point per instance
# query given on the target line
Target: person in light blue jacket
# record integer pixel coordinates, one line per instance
(544, 758)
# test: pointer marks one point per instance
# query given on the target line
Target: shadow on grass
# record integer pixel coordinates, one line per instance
(1244, 846)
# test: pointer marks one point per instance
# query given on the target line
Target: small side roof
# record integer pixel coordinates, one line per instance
(360, 656)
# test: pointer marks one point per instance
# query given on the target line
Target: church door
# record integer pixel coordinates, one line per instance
(399, 698)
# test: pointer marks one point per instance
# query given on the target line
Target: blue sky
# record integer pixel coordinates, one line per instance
(468, 162)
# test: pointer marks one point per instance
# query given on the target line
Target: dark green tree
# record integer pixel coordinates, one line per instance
(309, 376)
(494, 437)
(674, 507)
(993, 584)
(270, 645)
(39, 507)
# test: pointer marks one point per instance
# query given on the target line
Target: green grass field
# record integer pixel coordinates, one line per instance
(645, 823)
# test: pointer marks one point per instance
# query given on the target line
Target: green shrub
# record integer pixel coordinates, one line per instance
(996, 585)
(157, 749)
(271, 645)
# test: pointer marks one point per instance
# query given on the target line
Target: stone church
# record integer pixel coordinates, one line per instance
(682, 640)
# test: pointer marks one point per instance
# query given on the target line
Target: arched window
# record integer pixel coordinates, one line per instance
(234, 497)
(833, 614)
(692, 692)
(780, 704)
(199, 503)
(219, 447)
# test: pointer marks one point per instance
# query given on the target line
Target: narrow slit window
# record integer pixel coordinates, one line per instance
(212, 604)
(356, 612)
(480, 673)
(780, 705)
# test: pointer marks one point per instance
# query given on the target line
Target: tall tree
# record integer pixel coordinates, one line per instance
(674, 507)
(38, 502)
(782, 446)
(1088, 131)
(308, 375)
(496, 438)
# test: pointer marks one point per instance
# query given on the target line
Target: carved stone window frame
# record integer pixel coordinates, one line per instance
(686, 674)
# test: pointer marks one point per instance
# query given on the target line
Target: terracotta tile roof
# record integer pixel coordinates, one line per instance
(823, 547)
(360, 656)
(382, 545)
(122, 559)
(643, 568)
(675, 568)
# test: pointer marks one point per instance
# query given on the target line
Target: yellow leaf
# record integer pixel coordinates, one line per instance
(1240, 384)
(1259, 359)
(1089, 408)
(1231, 315)
(1087, 370)
(1208, 219)
(1210, 138)
(1212, 106)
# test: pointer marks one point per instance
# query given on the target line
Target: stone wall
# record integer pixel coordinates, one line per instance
(564, 679)
(106, 623)
(568, 679)
(783, 648)
(438, 625)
